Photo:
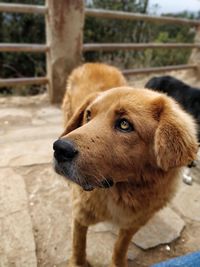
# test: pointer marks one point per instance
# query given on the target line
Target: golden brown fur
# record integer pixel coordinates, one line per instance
(143, 163)
(88, 79)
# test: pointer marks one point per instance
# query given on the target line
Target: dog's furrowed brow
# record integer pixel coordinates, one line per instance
(121, 111)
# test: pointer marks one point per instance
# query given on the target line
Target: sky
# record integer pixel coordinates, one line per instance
(173, 6)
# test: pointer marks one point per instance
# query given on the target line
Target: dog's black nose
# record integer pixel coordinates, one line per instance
(64, 150)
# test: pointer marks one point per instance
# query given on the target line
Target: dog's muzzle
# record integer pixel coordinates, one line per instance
(65, 154)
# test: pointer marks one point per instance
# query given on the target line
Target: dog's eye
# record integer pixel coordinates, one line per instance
(124, 125)
(88, 115)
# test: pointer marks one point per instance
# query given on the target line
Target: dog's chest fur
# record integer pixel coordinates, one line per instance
(101, 205)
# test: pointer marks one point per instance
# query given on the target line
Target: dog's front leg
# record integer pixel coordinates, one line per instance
(119, 258)
(78, 258)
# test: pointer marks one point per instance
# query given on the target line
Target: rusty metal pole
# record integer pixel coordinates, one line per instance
(64, 30)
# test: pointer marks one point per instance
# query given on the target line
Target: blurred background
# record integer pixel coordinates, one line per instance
(30, 28)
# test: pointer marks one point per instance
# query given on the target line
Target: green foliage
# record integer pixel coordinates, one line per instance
(22, 28)
(99, 30)
(27, 28)
(171, 33)
(112, 31)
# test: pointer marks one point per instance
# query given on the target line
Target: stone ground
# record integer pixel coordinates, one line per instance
(35, 209)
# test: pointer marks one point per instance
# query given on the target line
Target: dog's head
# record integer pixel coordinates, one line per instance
(120, 134)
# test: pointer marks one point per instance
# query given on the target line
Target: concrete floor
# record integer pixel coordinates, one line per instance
(35, 208)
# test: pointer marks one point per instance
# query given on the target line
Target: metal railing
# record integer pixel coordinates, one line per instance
(18, 8)
(34, 48)
(105, 14)
(108, 14)
(50, 46)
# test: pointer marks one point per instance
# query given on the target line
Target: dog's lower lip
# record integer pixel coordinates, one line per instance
(88, 187)
(56, 167)
(106, 183)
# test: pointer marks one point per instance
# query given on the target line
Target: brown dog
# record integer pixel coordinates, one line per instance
(123, 150)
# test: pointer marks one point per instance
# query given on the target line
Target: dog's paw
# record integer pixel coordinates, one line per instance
(71, 263)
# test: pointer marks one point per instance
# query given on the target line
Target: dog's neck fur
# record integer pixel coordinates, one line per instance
(134, 192)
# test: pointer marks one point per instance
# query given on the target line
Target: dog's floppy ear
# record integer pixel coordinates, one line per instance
(175, 142)
(77, 118)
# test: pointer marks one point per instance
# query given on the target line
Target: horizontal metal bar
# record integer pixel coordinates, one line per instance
(23, 81)
(139, 46)
(20, 8)
(33, 48)
(158, 69)
(108, 14)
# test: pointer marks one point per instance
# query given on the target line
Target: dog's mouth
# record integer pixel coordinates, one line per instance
(104, 183)
(87, 187)
(85, 181)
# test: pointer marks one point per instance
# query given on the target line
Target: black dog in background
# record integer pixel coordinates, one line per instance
(187, 96)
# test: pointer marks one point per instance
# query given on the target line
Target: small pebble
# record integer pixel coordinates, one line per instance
(187, 179)
(167, 248)
(32, 196)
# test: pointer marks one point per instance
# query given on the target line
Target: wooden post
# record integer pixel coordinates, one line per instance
(64, 27)
(195, 55)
